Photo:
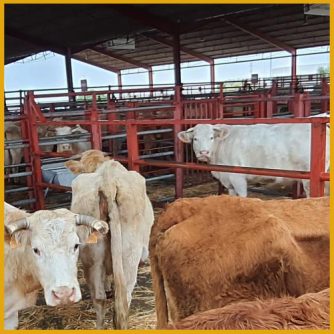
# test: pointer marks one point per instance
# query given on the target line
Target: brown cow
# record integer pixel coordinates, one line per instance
(207, 253)
(309, 311)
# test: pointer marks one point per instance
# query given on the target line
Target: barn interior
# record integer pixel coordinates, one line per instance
(137, 125)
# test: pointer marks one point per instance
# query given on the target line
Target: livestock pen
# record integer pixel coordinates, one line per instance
(138, 127)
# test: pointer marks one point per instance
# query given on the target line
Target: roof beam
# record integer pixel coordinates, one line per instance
(170, 43)
(260, 35)
(94, 63)
(125, 59)
(147, 19)
(39, 42)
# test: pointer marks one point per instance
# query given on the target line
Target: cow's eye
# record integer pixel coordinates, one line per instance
(195, 139)
(36, 251)
(76, 246)
(211, 138)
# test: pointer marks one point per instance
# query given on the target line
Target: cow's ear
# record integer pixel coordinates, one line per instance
(17, 239)
(76, 167)
(186, 136)
(222, 131)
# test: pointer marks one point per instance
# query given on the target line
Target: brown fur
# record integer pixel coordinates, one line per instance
(309, 311)
(90, 160)
(207, 253)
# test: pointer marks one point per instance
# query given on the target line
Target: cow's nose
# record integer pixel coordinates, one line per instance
(204, 152)
(64, 293)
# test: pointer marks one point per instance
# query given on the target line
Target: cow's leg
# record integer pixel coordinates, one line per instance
(12, 322)
(239, 184)
(133, 252)
(306, 186)
(95, 276)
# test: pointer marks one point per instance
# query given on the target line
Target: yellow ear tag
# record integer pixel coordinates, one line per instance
(93, 237)
(13, 243)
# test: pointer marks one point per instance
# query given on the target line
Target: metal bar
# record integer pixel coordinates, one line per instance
(158, 178)
(294, 70)
(227, 169)
(54, 186)
(9, 176)
(10, 191)
(156, 155)
(120, 57)
(24, 202)
(186, 50)
(318, 157)
(259, 34)
(150, 80)
(239, 121)
(93, 63)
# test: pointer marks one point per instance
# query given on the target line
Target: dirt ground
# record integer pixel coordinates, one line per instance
(142, 315)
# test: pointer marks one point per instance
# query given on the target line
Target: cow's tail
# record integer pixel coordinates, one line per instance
(121, 302)
(159, 290)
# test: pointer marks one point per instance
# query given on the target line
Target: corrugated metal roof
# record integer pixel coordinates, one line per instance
(206, 30)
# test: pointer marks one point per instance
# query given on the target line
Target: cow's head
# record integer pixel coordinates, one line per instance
(63, 131)
(51, 240)
(203, 138)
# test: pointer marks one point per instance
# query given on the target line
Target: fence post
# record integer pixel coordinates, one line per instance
(132, 145)
(178, 146)
(270, 107)
(221, 100)
(318, 156)
(35, 151)
(307, 105)
(95, 128)
(324, 92)
(298, 106)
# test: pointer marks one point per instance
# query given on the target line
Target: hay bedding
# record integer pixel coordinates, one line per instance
(82, 315)
(142, 313)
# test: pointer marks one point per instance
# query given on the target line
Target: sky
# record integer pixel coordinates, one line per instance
(46, 72)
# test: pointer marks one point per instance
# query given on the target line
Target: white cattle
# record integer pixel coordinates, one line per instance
(41, 251)
(75, 148)
(275, 146)
(118, 196)
(13, 156)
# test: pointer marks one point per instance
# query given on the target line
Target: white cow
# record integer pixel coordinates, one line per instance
(276, 146)
(13, 156)
(75, 148)
(114, 194)
(41, 251)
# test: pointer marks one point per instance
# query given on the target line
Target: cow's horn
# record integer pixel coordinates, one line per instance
(92, 222)
(21, 224)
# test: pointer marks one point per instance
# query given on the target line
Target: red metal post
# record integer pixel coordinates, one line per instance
(298, 105)
(35, 151)
(324, 92)
(270, 107)
(307, 105)
(221, 100)
(178, 145)
(318, 155)
(96, 138)
(262, 106)
(273, 92)
(132, 143)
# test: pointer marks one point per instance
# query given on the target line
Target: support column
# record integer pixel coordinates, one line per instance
(177, 59)
(150, 80)
(119, 78)
(212, 76)
(69, 75)
(294, 71)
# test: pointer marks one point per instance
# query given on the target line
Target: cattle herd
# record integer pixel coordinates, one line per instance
(219, 262)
